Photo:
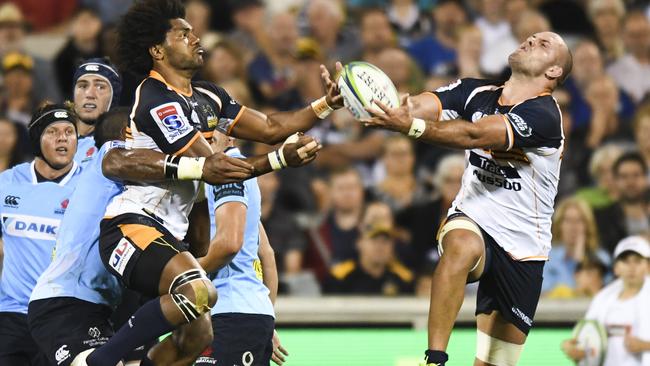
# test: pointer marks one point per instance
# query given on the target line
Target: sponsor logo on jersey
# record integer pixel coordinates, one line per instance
(521, 127)
(61, 354)
(171, 121)
(64, 206)
(32, 227)
(12, 201)
(90, 152)
(121, 255)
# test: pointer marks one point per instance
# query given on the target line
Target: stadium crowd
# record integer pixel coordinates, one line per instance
(363, 218)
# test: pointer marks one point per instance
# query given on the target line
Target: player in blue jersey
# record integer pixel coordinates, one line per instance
(241, 263)
(97, 88)
(36, 196)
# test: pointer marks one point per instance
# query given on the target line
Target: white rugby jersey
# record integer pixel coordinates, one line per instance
(166, 120)
(510, 194)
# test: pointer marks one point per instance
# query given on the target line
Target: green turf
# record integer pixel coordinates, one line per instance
(397, 347)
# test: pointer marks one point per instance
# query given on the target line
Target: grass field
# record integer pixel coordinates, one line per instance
(404, 347)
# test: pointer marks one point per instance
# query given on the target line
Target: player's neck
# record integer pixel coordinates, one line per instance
(520, 88)
(85, 129)
(48, 172)
(180, 80)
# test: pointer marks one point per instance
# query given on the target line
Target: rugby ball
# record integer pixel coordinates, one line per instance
(362, 83)
(592, 338)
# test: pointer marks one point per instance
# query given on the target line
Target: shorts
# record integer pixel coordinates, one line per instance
(17, 347)
(508, 286)
(63, 327)
(135, 248)
(240, 339)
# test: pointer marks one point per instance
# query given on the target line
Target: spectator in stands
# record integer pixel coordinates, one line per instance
(408, 20)
(575, 240)
(596, 108)
(528, 23)
(607, 18)
(514, 10)
(604, 191)
(17, 100)
(326, 26)
(590, 278)
(498, 40)
(83, 43)
(248, 35)
(422, 220)
(109, 11)
(13, 30)
(224, 62)
(436, 53)
(642, 131)
(399, 188)
(401, 69)
(376, 271)
(198, 13)
(376, 34)
(286, 237)
(629, 214)
(622, 308)
(273, 72)
(10, 151)
(632, 71)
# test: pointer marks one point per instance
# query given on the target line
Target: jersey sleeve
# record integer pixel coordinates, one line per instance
(453, 97)
(535, 123)
(165, 121)
(230, 111)
(230, 192)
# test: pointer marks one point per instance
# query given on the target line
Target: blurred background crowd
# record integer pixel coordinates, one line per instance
(363, 218)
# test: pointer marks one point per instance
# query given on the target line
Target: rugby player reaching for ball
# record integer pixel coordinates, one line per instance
(140, 235)
(498, 229)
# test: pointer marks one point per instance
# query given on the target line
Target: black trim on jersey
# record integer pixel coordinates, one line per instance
(454, 96)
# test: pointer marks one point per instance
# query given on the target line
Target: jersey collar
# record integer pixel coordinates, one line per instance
(63, 181)
(156, 75)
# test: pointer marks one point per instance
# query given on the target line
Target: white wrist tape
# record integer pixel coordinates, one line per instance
(190, 168)
(276, 159)
(321, 108)
(417, 128)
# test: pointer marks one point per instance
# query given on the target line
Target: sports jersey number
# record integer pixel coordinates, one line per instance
(497, 181)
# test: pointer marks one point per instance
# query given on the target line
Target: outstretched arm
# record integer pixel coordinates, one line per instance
(488, 132)
(274, 128)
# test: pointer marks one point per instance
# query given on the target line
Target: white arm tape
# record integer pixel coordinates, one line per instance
(417, 128)
(190, 168)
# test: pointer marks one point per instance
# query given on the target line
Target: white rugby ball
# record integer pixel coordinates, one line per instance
(361, 83)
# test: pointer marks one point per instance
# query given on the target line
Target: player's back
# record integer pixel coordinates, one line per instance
(239, 284)
(77, 270)
(31, 214)
(166, 120)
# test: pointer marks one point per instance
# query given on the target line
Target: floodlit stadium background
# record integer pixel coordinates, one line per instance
(266, 54)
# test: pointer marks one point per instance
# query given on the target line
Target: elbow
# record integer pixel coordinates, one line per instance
(231, 244)
(111, 166)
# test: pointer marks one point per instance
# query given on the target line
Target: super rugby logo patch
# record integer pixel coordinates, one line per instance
(171, 120)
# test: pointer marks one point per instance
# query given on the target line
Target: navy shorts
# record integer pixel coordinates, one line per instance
(17, 347)
(63, 327)
(240, 339)
(508, 286)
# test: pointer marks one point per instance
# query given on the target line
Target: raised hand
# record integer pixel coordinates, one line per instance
(219, 168)
(333, 97)
(397, 119)
(301, 152)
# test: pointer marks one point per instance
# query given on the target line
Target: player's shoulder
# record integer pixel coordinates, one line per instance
(544, 103)
(214, 91)
(342, 270)
(400, 270)
(153, 92)
(18, 174)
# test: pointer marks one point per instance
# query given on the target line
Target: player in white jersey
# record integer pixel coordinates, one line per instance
(140, 238)
(498, 230)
